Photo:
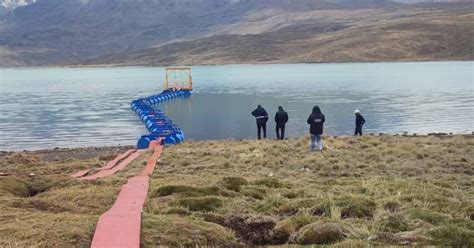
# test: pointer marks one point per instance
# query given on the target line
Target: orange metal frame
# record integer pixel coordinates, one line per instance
(185, 81)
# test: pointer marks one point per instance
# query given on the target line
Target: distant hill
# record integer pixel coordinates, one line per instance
(156, 32)
(423, 38)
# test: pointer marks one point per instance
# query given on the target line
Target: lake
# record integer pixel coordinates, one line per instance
(74, 107)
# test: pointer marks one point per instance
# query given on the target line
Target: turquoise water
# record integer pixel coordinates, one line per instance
(72, 107)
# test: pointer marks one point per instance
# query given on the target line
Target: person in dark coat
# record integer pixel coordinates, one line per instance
(316, 121)
(261, 116)
(359, 122)
(281, 118)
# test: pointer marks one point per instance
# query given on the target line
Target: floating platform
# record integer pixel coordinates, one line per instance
(159, 124)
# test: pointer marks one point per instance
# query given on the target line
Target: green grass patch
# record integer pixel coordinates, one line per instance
(321, 233)
(452, 236)
(201, 204)
(271, 202)
(234, 183)
(428, 216)
(356, 207)
(254, 192)
(185, 191)
(394, 224)
(269, 182)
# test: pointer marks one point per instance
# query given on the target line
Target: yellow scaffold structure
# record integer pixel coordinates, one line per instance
(178, 78)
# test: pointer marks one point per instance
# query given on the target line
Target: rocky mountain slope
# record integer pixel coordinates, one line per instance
(61, 32)
(345, 36)
(66, 31)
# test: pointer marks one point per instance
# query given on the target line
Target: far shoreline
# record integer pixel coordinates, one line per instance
(85, 66)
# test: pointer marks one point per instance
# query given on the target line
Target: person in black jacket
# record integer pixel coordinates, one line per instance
(261, 117)
(316, 121)
(281, 118)
(359, 122)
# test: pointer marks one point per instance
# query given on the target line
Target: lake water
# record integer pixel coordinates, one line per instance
(72, 107)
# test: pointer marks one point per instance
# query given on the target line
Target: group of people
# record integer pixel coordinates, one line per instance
(261, 115)
(316, 121)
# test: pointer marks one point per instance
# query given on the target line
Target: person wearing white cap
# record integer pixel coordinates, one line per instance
(359, 122)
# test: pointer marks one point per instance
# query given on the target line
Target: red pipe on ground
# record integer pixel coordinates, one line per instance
(108, 166)
(112, 163)
(81, 173)
(120, 226)
(118, 167)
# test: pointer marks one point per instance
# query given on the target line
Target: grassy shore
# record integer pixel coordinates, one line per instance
(371, 190)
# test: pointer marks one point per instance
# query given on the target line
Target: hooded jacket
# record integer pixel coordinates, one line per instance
(316, 121)
(281, 117)
(260, 115)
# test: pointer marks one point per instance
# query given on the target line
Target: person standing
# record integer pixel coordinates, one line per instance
(359, 122)
(261, 116)
(316, 121)
(281, 118)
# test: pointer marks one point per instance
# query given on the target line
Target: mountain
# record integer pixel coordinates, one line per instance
(13, 4)
(66, 31)
(420, 34)
(62, 32)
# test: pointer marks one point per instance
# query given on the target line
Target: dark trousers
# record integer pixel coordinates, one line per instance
(358, 131)
(261, 126)
(280, 131)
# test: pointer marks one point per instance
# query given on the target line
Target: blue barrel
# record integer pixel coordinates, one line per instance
(180, 137)
(143, 142)
(169, 140)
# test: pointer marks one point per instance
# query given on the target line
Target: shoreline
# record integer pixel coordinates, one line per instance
(85, 66)
(111, 147)
(99, 148)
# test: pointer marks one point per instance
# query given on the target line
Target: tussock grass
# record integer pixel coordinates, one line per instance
(361, 191)
(42, 206)
(321, 233)
(376, 190)
(293, 224)
(453, 236)
(234, 183)
(269, 182)
(201, 204)
(170, 230)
